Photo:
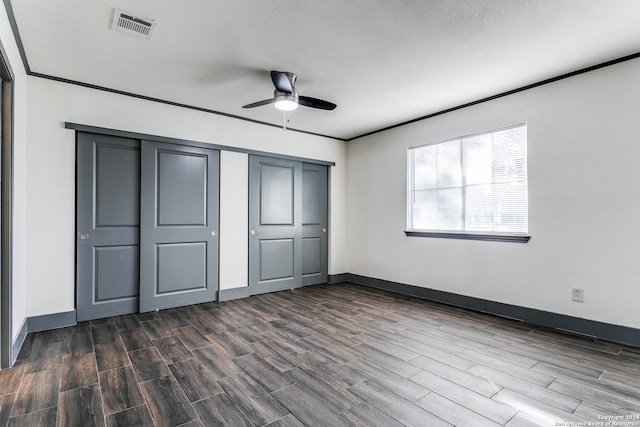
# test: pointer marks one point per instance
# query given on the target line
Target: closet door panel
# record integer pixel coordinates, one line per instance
(275, 221)
(107, 221)
(314, 224)
(179, 223)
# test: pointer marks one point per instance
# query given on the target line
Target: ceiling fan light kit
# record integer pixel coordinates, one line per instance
(285, 101)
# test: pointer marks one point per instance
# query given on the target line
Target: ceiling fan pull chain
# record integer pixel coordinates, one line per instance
(285, 119)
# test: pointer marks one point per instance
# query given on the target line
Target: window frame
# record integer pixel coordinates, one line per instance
(492, 236)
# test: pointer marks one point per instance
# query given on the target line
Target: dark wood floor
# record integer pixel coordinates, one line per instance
(318, 356)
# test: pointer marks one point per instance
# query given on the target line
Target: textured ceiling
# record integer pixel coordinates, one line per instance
(383, 62)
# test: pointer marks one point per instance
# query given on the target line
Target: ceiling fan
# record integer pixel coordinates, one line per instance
(286, 97)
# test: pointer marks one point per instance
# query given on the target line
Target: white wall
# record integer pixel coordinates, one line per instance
(234, 233)
(19, 174)
(51, 178)
(584, 202)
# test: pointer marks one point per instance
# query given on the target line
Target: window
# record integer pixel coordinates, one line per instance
(470, 187)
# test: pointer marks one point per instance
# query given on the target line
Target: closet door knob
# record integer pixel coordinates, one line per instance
(84, 236)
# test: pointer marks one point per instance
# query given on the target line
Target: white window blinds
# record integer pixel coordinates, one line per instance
(471, 184)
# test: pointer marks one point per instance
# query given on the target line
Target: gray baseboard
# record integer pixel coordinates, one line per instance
(235, 293)
(337, 278)
(17, 344)
(247, 291)
(592, 328)
(51, 321)
(40, 323)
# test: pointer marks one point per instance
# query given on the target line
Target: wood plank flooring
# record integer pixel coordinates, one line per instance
(329, 355)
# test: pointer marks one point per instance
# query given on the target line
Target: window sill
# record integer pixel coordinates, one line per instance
(513, 238)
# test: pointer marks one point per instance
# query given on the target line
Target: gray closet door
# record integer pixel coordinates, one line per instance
(314, 224)
(275, 224)
(108, 212)
(179, 223)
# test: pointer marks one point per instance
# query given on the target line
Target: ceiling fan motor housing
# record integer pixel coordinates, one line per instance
(292, 79)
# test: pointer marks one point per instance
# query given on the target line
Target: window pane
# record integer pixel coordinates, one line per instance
(448, 166)
(450, 209)
(479, 207)
(510, 156)
(425, 210)
(510, 202)
(478, 159)
(424, 165)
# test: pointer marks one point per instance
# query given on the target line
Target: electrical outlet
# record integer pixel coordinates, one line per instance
(577, 294)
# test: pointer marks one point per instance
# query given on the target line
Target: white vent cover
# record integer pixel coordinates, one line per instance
(133, 25)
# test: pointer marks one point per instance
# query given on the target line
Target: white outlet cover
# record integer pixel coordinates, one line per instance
(577, 294)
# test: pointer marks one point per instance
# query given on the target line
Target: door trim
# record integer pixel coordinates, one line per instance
(7, 353)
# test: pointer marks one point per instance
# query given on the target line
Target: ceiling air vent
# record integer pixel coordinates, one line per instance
(133, 25)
